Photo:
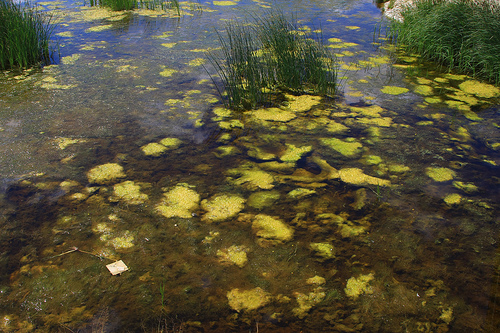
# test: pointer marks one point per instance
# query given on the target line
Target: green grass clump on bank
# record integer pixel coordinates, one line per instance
(24, 36)
(259, 60)
(460, 34)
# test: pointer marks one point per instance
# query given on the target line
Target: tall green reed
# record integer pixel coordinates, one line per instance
(463, 35)
(118, 5)
(261, 59)
(24, 35)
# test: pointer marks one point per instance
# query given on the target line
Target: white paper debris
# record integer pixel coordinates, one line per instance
(117, 267)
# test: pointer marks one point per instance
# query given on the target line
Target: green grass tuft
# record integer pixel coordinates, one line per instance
(460, 34)
(261, 59)
(24, 36)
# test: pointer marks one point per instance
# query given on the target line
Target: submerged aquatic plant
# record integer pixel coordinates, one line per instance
(259, 60)
(461, 34)
(24, 35)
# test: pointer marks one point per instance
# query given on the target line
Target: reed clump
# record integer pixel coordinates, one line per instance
(24, 36)
(463, 35)
(118, 5)
(259, 60)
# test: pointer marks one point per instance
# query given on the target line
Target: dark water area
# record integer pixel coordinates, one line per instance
(373, 212)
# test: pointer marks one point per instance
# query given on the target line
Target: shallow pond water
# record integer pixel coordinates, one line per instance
(376, 212)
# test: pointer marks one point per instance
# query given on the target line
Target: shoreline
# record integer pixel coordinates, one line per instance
(398, 6)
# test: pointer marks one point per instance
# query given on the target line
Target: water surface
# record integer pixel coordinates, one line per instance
(374, 212)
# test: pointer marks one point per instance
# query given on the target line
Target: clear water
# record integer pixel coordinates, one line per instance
(403, 251)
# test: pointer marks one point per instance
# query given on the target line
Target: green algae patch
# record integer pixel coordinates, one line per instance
(124, 242)
(300, 193)
(323, 250)
(424, 90)
(466, 187)
(346, 148)
(433, 100)
(181, 202)
(440, 174)
(224, 3)
(382, 121)
(271, 228)
(62, 143)
(154, 149)
(358, 177)
(105, 174)
(302, 103)
(307, 302)
(393, 90)
(273, 114)
(99, 28)
(292, 154)
(247, 300)
(372, 111)
(463, 97)
(398, 168)
(359, 285)
(222, 207)
(71, 60)
(260, 154)
(171, 143)
(479, 89)
(129, 192)
(263, 199)
(453, 199)
(341, 45)
(235, 254)
(252, 178)
(372, 160)
(168, 72)
(316, 280)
